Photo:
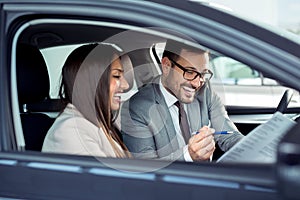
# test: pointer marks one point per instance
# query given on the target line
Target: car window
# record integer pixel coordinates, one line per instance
(233, 72)
(240, 85)
(243, 86)
(55, 58)
(230, 69)
(237, 84)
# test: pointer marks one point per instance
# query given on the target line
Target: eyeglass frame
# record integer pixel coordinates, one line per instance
(200, 74)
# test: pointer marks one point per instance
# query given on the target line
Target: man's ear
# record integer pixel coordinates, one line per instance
(165, 66)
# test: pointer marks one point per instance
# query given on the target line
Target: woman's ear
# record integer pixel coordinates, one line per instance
(165, 66)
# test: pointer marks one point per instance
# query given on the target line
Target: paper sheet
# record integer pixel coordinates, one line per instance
(260, 145)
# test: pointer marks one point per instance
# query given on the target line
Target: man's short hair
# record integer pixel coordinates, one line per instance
(173, 49)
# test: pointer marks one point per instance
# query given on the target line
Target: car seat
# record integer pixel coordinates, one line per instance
(33, 94)
(145, 70)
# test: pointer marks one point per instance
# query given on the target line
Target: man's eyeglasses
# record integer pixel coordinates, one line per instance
(190, 75)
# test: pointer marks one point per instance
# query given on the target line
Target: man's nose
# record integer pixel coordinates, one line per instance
(197, 82)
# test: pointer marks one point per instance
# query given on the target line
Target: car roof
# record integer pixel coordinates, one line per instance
(271, 35)
(201, 9)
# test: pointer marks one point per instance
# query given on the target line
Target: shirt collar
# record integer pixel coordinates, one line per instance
(169, 98)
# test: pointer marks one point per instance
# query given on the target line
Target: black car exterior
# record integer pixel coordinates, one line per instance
(33, 175)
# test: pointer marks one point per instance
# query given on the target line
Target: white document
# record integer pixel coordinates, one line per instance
(260, 145)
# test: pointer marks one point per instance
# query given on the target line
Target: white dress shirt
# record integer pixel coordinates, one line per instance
(173, 109)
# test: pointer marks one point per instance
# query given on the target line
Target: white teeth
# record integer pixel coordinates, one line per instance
(117, 97)
(188, 89)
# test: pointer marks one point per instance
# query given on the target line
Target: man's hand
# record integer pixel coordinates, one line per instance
(202, 145)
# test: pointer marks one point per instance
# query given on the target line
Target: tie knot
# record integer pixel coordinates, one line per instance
(178, 104)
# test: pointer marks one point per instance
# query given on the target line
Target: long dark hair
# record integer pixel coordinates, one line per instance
(86, 84)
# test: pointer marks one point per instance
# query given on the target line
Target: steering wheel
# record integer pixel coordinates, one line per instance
(285, 100)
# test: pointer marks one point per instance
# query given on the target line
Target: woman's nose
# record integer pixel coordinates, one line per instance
(124, 84)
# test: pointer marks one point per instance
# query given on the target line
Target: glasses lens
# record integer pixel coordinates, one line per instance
(190, 75)
(207, 75)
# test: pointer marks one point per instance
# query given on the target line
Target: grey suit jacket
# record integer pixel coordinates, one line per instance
(148, 130)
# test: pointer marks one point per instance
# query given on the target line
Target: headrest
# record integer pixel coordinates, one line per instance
(144, 68)
(32, 75)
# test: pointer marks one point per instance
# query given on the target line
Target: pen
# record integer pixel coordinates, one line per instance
(220, 132)
(217, 132)
(223, 132)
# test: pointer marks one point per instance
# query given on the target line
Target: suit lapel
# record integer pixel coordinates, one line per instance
(165, 116)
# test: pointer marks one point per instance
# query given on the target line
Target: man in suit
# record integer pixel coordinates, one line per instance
(153, 122)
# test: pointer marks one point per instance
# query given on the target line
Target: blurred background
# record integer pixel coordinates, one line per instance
(280, 13)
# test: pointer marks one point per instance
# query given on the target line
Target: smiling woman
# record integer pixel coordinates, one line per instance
(117, 83)
(92, 79)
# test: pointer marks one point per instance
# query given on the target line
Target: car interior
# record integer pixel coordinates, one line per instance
(247, 60)
(33, 92)
(38, 109)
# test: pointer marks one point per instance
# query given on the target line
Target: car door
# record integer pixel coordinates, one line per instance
(36, 175)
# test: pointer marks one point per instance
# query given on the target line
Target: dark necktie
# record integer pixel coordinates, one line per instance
(183, 122)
